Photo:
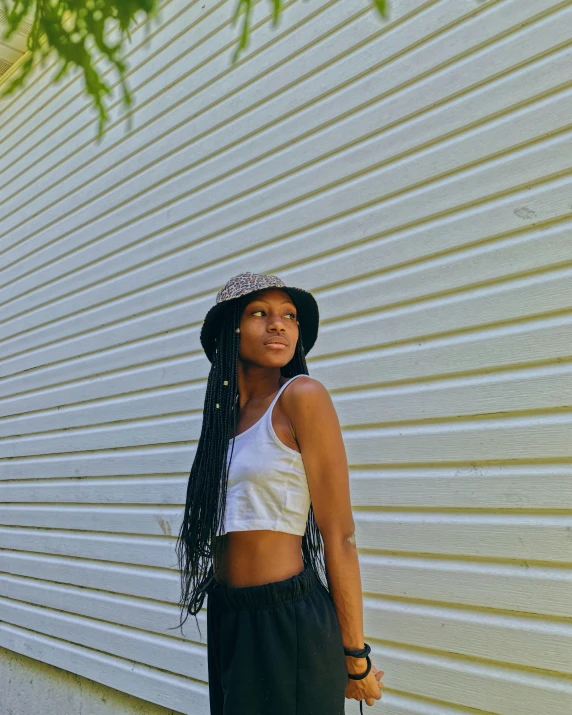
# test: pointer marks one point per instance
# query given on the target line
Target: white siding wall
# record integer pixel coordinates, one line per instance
(416, 175)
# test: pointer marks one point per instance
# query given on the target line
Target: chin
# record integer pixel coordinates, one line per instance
(279, 363)
(277, 360)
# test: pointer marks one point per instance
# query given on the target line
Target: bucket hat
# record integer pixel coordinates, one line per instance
(245, 283)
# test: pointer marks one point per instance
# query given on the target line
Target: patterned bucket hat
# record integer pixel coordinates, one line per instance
(245, 283)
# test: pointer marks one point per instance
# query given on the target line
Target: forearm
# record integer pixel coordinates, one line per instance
(344, 581)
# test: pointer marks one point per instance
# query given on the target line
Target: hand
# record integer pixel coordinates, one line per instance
(370, 687)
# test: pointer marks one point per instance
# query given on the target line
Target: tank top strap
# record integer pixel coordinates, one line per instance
(268, 414)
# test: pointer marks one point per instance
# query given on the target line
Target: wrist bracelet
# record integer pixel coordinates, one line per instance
(360, 653)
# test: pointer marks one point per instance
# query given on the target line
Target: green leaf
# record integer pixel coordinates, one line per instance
(76, 31)
(381, 6)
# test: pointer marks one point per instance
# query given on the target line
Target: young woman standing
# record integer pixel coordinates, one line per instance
(268, 516)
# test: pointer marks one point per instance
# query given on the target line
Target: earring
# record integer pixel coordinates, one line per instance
(237, 330)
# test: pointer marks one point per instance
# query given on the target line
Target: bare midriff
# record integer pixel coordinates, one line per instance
(252, 558)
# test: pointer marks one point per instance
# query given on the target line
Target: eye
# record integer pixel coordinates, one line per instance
(261, 310)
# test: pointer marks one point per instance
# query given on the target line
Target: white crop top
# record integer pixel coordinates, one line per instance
(267, 485)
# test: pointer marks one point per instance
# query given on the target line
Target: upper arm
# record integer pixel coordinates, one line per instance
(317, 430)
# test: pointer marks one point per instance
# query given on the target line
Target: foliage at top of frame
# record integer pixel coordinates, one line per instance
(76, 31)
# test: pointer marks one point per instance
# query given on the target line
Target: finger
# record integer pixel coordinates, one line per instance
(370, 701)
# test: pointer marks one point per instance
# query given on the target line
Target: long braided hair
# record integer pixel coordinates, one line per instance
(206, 489)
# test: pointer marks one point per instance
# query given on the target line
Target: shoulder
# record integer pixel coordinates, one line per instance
(311, 413)
(305, 393)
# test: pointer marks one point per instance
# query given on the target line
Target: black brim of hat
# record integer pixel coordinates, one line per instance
(308, 317)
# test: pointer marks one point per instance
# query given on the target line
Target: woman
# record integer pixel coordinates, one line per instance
(267, 500)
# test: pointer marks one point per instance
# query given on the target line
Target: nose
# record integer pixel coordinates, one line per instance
(276, 323)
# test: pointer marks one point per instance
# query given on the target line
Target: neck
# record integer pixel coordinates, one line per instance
(257, 383)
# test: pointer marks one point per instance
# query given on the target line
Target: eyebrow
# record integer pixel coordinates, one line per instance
(261, 300)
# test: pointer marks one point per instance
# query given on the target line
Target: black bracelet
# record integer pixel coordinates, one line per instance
(360, 653)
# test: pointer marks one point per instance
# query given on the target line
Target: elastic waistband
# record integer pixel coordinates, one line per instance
(264, 595)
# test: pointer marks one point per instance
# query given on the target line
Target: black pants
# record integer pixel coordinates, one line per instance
(275, 649)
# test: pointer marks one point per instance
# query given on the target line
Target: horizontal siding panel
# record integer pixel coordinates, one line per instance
(169, 371)
(538, 436)
(369, 64)
(529, 252)
(137, 613)
(40, 80)
(542, 339)
(482, 686)
(216, 222)
(183, 399)
(525, 297)
(468, 487)
(416, 175)
(486, 349)
(556, 239)
(501, 637)
(128, 579)
(125, 549)
(142, 489)
(496, 394)
(183, 695)
(481, 440)
(152, 684)
(526, 164)
(395, 703)
(539, 590)
(179, 20)
(487, 636)
(200, 93)
(135, 327)
(170, 654)
(196, 53)
(118, 462)
(508, 536)
(150, 521)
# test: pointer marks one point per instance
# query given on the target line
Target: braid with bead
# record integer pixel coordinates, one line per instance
(207, 485)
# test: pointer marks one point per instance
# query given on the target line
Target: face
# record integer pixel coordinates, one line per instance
(268, 329)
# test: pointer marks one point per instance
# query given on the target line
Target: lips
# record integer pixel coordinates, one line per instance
(276, 341)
